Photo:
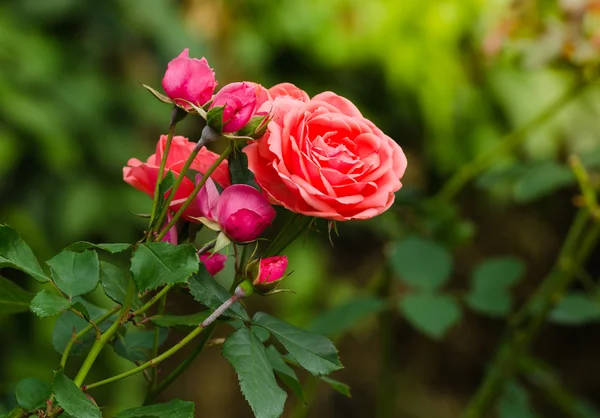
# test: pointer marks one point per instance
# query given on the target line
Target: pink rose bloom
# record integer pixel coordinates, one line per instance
(214, 262)
(189, 79)
(143, 176)
(323, 158)
(271, 269)
(243, 213)
(239, 100)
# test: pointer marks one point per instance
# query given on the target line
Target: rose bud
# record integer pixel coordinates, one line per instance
(214, 262)
(189, 79)
(239, 101)
(243, 213)
(270, 272)
(207, 198)
(171, 236)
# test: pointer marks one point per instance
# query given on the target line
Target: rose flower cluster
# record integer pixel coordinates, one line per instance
(317, 156)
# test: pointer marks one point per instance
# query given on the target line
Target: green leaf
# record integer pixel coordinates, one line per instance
(432, 314)
(156, 264)
(13, 299)
(285, 373)
(135, 345)
(238, 169)
(576, 308)
(205, 289)
(314, 352)
(343, 317)
(421, 263)
(214, 118)
(111, 248)
(32, 393)
(491, 280)
(72, 399)
(114, 282)
(75, 273)
(17, 412)
(170, 321)
(262, 334)
(515, 403)
(46, 304)
(15, 253)
(542, 179)
(68, 322)
(173, 409)
(338, 386)
(249, 359)
(165, 185)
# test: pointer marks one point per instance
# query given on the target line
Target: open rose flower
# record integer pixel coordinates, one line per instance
(322, 158)
(143, 176)
(190, 79)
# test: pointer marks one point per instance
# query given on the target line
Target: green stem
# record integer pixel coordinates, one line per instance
(239, 293)
(105, 338)
(161, 170)
(385, 319)
(192, 195)
(157, 390)
(152, 301)
(84, 332)
(160, 311)
(507, 144)
(522, 333)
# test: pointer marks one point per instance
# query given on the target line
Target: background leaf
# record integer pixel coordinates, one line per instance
(338, 386)
(541, 179)
(46, 304)
(156, 264)
(75, 273)
(421, 263)
(432, 314)
(514, 402)
(173, 409)
(15, 253)
(32, 393)
(576, 308)
(72, 399)
(135, 344)
(238, 169)
(205, 289)
(343, 317)
(170, 321)
(285, 373)
(248, 357)
(313, 352)
(13, 299)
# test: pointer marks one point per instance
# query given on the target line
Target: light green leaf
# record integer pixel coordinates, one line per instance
(72, 399)
(421, 263)
(205, 289)
(46, 304)
(32, 393)
(491, 280)
(343, 317)
(542, 179)
(576, 308)
(170, 321)
(515, 403)
(13, 299)
(285, 373)
(314, 352)
(173, 409)
(111, 248)
(135, 345)
(248, 357)
(432, 314)
(115, 282)
(156, 264)
(15, 253)
(75, 273)
(17, 412)
(338, 386)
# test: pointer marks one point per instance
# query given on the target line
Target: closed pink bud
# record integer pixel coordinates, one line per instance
(239, 100)
(171, 236)
(271, 270)
(207, 199)
(214, 262)
(243, 213)
(189, 79)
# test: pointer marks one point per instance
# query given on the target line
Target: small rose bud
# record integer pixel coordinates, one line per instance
(243, 213)
(239, 101)
(189, 79)
(207, 198)
(214, 262)
(270, 272)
